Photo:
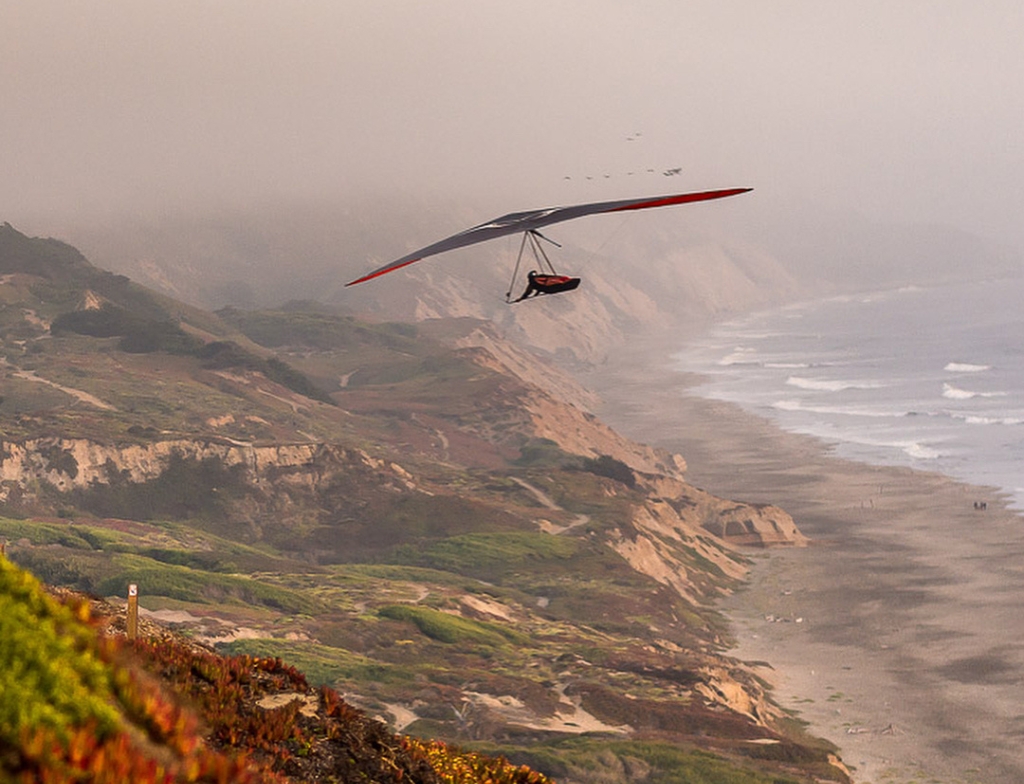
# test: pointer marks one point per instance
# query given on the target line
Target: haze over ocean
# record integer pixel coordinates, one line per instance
(931, 378)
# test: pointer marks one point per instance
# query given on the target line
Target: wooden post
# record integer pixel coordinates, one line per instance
(133, 611)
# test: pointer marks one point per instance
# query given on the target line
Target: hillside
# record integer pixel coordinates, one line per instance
(654, 270)
(423, 517)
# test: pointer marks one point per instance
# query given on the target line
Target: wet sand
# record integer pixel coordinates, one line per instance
(897, 633)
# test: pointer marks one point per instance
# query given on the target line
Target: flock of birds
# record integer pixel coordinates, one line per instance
(632, 138)
(666, 173)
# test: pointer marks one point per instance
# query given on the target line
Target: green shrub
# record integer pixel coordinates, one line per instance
(105, 322)
(445, 627)
(302, 324)
(609, 467)
(138, 335)
(50, 675)
(488, 553)
(224, 354)
(543, 452)
(192, 585)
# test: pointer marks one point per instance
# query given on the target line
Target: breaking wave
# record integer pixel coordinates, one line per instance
(823, 385)
(797, 406)
(873, 413)
(976, 419)
(955, 393)
(913, 449)
(965, 367)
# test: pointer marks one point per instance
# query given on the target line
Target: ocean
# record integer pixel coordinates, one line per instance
(926, 377)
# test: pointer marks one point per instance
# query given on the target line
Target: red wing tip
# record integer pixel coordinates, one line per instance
(680, 198)
(380, 272)
(731, 191)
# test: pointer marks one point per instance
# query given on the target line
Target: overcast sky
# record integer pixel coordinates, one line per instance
(902, 110)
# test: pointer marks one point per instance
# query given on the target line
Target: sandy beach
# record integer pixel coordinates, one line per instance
(896, 633)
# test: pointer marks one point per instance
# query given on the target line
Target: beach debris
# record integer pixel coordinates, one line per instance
(771, 618)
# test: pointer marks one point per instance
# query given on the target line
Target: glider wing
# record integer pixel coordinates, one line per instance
(515, 222)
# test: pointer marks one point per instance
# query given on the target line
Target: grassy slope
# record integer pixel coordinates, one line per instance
(81, 705)
(77, 706)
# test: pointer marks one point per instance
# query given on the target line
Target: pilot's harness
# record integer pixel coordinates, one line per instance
(543, 262)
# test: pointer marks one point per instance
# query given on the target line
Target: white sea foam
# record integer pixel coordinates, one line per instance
(955, 393)
(865, 374)
(915, 449)
(965, 367)
(852, 411)
(826, 385)
(739, 356)
(975, 419)
(919, 451)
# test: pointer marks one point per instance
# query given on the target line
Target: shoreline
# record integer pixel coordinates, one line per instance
(906, 653)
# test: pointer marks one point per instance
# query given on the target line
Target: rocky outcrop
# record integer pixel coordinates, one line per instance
(739, 523)
(760, 525)
(734, 688)
(679, 530)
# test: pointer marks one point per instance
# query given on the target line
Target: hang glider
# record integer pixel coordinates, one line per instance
(530, 222)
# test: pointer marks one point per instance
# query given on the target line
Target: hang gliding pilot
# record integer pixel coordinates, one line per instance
(545, 281)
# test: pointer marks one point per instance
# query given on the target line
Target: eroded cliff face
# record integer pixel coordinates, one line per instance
(555, 407)
(66, 464)
(675, 510)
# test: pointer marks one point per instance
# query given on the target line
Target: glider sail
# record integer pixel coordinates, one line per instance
(532, 220)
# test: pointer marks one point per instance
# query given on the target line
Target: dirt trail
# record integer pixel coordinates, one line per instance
(85, 397)
(548, 503)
